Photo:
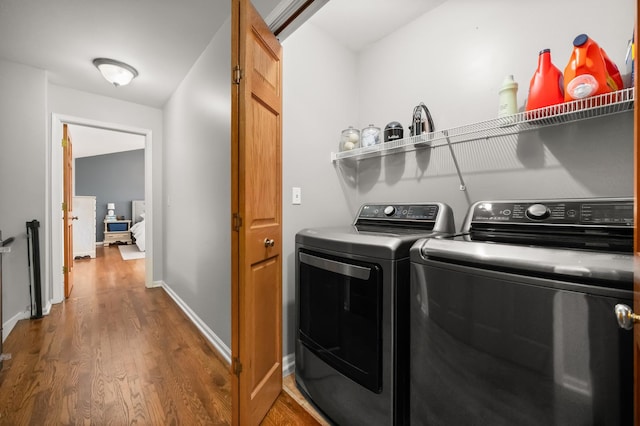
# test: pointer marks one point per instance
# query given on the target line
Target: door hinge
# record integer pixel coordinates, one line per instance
(64, 206)
(237, 74)
(237, 222)
(65, 142)
(237, 367)
(64, 269)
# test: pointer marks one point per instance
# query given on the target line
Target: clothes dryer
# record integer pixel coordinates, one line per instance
(352, 295)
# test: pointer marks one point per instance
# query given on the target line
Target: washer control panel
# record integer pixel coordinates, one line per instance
(576, 212)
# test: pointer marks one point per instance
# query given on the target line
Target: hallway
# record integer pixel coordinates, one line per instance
(118, 353)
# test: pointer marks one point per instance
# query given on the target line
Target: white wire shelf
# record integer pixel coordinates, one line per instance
(593, 107)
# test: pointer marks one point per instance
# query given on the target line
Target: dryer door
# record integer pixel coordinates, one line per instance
(340, 315)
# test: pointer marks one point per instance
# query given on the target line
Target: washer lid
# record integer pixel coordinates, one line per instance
(548, 262)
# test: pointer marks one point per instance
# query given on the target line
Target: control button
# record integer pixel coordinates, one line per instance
(389, 210)
(538, 212)
(506, 212)
(571, 213)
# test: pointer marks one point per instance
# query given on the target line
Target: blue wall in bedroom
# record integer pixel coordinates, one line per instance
(112, 178)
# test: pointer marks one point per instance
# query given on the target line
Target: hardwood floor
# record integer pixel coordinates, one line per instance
(290, 387)
(118, 353)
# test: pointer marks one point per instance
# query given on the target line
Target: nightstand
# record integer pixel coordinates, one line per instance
(117, 231)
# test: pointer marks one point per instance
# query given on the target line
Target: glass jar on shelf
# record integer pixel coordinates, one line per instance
(350, 139)
(370, 136)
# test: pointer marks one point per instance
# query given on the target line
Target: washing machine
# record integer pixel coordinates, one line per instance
(352, 297)
(512, 322)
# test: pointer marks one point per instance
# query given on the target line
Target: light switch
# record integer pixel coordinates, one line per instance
(296, 195)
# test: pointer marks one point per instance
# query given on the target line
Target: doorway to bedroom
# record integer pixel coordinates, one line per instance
(111, 187)
(108, 192)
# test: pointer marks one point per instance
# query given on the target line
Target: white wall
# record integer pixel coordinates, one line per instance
(197, 181)
(22, 178)
(319, 99)
(197, 171)
(453, 59)
(71, 102)
(465, 49)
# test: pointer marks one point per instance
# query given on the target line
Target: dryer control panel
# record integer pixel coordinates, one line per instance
(399, 211)
(430, 216)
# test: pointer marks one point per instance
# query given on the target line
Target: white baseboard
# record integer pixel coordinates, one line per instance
(288, 364)
(8, 326)
(217, 343)
(46, 310)
(288, 361)
(89, 253)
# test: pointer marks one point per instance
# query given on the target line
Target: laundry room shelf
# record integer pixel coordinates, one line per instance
(589, 108)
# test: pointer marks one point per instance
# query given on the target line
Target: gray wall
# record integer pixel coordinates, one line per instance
(197, 182)
(466, 50)
(22, 177)
(314, 110)
(27, 102)
(585, 159)
(479, 45)
(117, 178)
(323, 95)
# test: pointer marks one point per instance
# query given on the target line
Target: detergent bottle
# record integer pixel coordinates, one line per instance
(508, 97)
(589, 72)
(547, 86)
(613, 71)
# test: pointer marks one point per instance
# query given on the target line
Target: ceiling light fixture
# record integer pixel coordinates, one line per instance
(115, 72)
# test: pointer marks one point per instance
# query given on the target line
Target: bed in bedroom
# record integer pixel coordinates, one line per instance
(137, 223)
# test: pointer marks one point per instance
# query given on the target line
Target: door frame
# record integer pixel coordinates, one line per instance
(54, 293)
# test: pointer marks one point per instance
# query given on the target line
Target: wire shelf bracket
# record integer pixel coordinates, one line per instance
(583, 109)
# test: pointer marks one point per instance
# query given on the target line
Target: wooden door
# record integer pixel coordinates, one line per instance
(256, 150)
(67, 209)
(636, 233)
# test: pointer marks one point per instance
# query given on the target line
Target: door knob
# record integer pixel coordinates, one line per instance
(268, 242)
(74, 218)
(626, 317)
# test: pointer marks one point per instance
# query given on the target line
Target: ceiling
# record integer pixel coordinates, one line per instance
(162, 39)
(358, 23)
(90, 141)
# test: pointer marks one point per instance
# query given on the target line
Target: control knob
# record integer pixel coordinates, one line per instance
(389, 210)
(538, 212)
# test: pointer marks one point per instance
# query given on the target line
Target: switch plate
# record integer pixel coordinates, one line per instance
(296, 195)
